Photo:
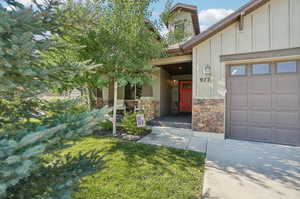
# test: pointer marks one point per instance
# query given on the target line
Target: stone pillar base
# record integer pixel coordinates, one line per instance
(208, 115)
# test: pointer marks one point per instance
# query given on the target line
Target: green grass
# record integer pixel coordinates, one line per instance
(138, 171)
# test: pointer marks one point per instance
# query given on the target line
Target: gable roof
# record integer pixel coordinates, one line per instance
(191, 9)
(227, 21)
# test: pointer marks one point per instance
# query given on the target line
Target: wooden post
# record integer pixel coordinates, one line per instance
(115, 108)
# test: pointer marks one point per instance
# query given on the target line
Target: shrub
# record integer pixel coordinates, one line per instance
(129, 125)
(106, 125)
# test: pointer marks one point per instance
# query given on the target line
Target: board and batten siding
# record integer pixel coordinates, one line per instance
(276, 25)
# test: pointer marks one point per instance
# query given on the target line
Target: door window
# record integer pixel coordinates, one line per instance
(260, 69)
(238, 70)
(187, 85)
(286, 67)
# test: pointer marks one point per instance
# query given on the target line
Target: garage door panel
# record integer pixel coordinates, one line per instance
(284, 101)
(238, 101)
(260, 85)
(286, 136)
(238, 131)
(259, 133)
(238, 85)
(260, 117)
(238, 116)
(285, 84)
(286, 119)
(259, 101)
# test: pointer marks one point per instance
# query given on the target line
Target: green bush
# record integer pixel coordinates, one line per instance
(129, 125)
(106, 125)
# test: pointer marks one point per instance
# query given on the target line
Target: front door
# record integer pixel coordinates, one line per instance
(185, 96)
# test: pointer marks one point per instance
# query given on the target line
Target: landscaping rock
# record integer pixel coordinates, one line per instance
(129, 137)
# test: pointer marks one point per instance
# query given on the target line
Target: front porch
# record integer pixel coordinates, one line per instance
(167, 99)
(175, 88)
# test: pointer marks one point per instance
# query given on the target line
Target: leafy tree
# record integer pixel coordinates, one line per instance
(116, 34)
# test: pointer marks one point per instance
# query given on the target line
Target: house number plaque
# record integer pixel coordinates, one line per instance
(205, 79)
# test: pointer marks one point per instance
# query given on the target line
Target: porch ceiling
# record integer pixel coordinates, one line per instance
(172, 60)
(179, 69)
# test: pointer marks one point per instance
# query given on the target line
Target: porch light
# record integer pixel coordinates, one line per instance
(207, 70)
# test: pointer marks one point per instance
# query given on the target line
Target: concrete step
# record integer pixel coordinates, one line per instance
(170, 124)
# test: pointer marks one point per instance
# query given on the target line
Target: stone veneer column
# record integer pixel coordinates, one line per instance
(148, 106)
(208, 115)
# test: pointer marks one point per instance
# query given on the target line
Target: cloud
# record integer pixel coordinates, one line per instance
(212, 16)
(25, 2)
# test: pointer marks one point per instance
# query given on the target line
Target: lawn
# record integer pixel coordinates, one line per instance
(139, 171)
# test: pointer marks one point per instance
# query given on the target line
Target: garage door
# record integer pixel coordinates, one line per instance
(263, 102)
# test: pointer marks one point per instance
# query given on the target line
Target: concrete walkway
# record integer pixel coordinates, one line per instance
(238, 169)
(180, 138)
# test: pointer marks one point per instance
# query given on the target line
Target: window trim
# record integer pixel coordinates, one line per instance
(282, 73)
(262, 63)
(232, 75)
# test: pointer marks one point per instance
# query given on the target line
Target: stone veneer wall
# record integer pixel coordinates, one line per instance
(208, 115)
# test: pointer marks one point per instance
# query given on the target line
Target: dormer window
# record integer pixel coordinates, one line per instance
(179, 26)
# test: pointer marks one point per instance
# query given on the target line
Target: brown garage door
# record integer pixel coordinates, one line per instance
(263, 102)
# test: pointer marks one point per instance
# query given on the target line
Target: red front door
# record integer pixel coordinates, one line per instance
(185, 96)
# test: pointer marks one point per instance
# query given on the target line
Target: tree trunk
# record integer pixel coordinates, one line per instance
(88, 98)
(115, 108)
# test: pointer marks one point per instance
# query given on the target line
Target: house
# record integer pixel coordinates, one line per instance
(240, 77)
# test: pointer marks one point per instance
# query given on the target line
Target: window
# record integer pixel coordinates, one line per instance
(188, 85)
(179, 26)
(133, 92)
(179, 31)
(286, 67)
(260, 69)
(237, 70)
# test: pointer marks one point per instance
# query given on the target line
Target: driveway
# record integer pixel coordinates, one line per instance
(238, 169)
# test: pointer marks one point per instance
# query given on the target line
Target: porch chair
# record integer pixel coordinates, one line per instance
(137, 107)
(121, 105)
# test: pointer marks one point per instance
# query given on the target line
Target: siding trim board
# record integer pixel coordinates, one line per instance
(272, 54)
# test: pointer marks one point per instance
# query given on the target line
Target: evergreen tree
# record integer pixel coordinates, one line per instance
(25, 74)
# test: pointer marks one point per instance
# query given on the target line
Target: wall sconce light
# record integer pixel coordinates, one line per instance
(207, 70)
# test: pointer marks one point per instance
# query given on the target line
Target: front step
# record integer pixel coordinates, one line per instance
(170, 124)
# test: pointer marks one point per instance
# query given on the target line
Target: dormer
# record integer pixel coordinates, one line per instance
(185, 18)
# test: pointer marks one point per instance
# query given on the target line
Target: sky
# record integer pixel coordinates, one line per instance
(209, 11)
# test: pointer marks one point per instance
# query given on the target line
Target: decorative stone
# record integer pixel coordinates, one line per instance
(148, 107)
(208, 115)
(130, 137)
